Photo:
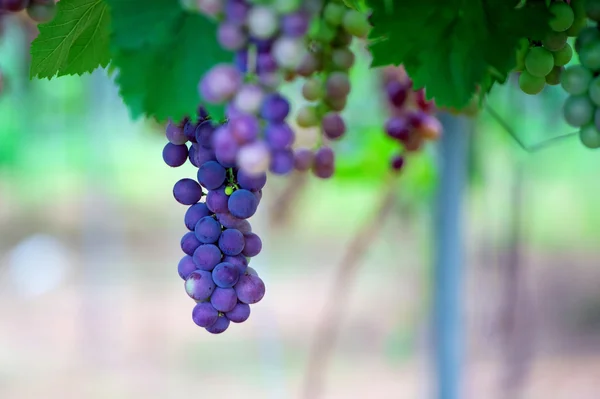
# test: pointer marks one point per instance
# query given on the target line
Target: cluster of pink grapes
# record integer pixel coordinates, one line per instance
(271, 43)
(412, 120)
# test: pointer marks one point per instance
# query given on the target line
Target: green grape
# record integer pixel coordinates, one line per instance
(594, 91)
(590, 136)
(563, 56)
(307, 116)
(539, 61)
(592, 9)
(587, 35)
(334, 14)
(522, 49)
(530, 84)
(578, 110)
(356, 23)
(590, 56)
(553, 78)
(576, 79)
(554, 40)
(562, 16)
(578, 25)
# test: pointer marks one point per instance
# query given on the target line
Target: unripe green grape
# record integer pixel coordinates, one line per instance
(342, 58)
(562, 16)
(539, 61)
(307, 116)
(563, 56)
(590, 136)
(325, 33)
(578, 110)
(576, 79)
(312, 90)
(594, 91)
(587, 35)
(41, 12)
(356, 23)
(336, 104)
(554, 40)
(592, 9)
(553, 78)
(334, 14)
(286, 6)
(589, 56)
(530, 84)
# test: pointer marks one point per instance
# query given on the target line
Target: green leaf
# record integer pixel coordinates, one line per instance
(76, 41)
(450, 46)
(159, 69)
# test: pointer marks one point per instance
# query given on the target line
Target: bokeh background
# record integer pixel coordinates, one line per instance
(91, 305)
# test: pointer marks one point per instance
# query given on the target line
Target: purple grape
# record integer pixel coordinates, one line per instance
(252, 245)
(282, 162)
(228, 220)
(199, 285)
(226, 147)
(231, 242)
(250, 289)
(211, 175)
(397, 162)
(186, 266)
(175, 155)
(231, 37)
(275, 108)
(258, 195)
(200, 155)
(231, 112)
(244, 227)
(216, 200)
(175, 134)
(189, 129)
(303, 159)
(220, 326)
(207, 256)
(194, 214)
(251, 272)
(242, 204)
(236, 11)
(397, 93)
(397, 128)
(254, 158)
(324, 165)
(187, 191)
(280, 136)
(266, 64)
(295, 24)
(204, 132)
(207, 230)
(241, 61)
(244, 128)
(225, 275)
(240, 313)
(333, 126)
(263, 46)
(189, 243)
(337, 85)
(192, 155)
(249, 99)
(239, 261)
(250, 182)
(224, 299)
(220, 83)
(205, 315)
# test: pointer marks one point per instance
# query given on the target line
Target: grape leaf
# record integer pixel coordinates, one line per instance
(159, 78)
(451, 47)
(76, 41)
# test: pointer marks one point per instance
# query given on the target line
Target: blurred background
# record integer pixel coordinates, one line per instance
(91, 305)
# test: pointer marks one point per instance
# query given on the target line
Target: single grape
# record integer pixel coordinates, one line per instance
(251, 182)
(430, 127)
(563, 56)
(295, 24)
(211, 175)
(189, 129)
(586, 36)
(282, 162)
(242, 204)
(309, 65)
(186, 266)
(220, 83)
(216, 200)
(356, 23)
(337, 85)
(578, 110)
(189, 243)
(333, 14)
(397, 128)
(592, 9)
(289, 52)
(589, 56)
(279, 136)
(187, 191)
(539, 61)
(562, 16)
(231, 242)
(262, 22)
(342, 58)
(312, 90)
(253, 245)
(224, 299)
(199, 285)
(231, 36)
(207, 230)
(199, 155)
(244, 226)
(275, 108)
(250, 289)
(590, 136)
(175, 134)
(336, 104)
(220, 326)
(254, 158)
(204, 133)
(205, 315)
(249, 99)
(225, 275)
(303, 159)
(333, 126)
(244, 128)
(324, 166)
(576, 79)
(194, 214)
(240, 313)
(175, 155)
(397, 93)
(225, 145)
(530, 84)
(307, 116)
(554, 41)
(207, 256)
(397, 162)
(236, 11)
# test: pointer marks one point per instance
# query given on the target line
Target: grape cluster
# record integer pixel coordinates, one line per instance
(543, 62)
(272, 44)
(220, 241)
(582, 82)
(38, 10)
(411, 120)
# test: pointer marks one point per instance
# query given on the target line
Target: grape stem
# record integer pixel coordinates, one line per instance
(331, 318)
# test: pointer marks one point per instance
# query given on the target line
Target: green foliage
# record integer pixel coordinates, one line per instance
(76, 41)
(452, 47)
